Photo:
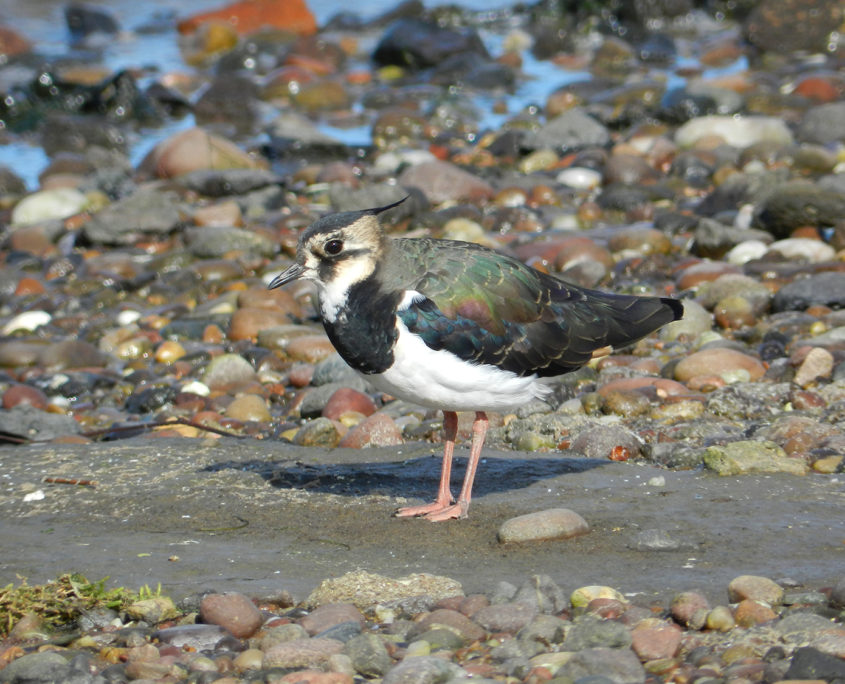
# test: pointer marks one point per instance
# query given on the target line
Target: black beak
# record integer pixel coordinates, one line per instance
(286, 276)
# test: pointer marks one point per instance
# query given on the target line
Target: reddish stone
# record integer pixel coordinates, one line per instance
(27, 395)
(29, 286)
(377, 430)
(654, 640)
(818, 89)
(232, 611)
(316, 677)
(250, 15)
(329, 615)
(662, 386)
(345, 400)
(750, 612)
(310, 348)
(247, 323)
(12, 43)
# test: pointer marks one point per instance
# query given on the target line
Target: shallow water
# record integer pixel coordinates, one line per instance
(42, 21)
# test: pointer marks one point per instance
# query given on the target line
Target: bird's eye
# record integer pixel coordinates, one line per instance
(333, 247)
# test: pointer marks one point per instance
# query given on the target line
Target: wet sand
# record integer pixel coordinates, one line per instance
(262, 517)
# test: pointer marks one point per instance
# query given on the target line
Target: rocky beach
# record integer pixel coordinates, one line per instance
(672, 513)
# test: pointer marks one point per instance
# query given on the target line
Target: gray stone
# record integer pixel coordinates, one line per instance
(211, 242)
(145, 213)
(591, 632)
(36, 668)
(422, 670)
(825, 289)
(543, 592)
(368, 654)
(33, 424)
(620, 666)
(574, 129)
(225, 182)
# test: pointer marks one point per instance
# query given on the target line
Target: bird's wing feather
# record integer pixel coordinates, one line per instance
(488, 308)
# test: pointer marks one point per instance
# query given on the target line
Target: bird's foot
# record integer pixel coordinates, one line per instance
(436, 511)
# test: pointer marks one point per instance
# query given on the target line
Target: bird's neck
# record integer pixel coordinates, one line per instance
(363, 327)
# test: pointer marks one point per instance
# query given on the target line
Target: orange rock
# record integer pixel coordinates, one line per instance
(248, 322)
(250, 15)
(12, 43)
(28, 286)
(750, 612)
(717, 361)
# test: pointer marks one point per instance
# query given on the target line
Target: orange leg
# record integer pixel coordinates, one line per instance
(442, 508)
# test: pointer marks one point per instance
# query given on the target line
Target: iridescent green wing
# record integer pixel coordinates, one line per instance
(485, 307)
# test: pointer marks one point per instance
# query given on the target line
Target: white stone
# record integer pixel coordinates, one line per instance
(804, 248)
(579, 178)
(737, 131)
(48, 204)
(746, 251)
(197, 387)
(28, 321)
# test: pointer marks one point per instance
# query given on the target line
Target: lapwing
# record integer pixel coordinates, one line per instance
(456, 326)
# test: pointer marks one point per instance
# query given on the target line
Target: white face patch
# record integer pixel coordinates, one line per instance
(334, 293)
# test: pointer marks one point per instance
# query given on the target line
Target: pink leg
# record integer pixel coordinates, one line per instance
(444, 494)
(460, 507)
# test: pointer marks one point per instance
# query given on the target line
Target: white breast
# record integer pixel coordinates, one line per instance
(440, 380)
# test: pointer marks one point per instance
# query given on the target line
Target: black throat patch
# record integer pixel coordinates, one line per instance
(364, 331)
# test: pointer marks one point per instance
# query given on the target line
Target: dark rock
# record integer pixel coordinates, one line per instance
(798, 205)
(786, 26)
(713, 239)
(75, 133)
(149, 399)
(809, 663)
(825, 289)
(229, 100)
(221, 183)
(417, 44)
(83, 19)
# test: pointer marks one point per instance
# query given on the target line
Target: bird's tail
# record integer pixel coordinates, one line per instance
(629, 318)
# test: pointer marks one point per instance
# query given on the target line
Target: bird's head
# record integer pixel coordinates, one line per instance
(339, 249)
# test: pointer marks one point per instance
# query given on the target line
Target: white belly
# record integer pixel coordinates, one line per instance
(440, 380)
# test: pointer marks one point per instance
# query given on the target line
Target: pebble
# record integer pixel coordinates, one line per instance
(330, 615)
(555, 523)
(747, 456)
(755, 588)
(228, 370)
(301, 653)
(690, 609)
(374, 431)
(653, 639)
(249, 407)
(719, 361)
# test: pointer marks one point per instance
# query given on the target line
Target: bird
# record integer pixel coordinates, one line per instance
(456, 326)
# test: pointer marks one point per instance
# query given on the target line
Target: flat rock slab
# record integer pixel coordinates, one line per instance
(260, 517)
